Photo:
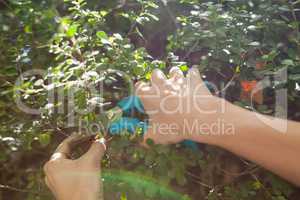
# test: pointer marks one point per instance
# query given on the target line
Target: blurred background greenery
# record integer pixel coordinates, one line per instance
(235, 44)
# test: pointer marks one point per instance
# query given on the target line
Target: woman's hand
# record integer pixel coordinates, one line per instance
(75, 179)
(178, 106)
(182, 108)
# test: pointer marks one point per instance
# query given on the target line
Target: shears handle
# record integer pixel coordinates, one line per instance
(131, 125)
(134, 102)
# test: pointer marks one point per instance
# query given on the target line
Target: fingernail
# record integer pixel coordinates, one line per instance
(101, 141)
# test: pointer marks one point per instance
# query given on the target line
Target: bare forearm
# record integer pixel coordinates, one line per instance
(251, 138)
(277, 151)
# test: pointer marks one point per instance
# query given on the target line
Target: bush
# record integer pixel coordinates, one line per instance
(78, 45)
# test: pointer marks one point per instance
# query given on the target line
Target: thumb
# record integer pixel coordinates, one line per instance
(196, 83)
(94, 155)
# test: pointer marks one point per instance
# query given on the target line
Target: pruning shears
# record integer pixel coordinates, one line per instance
(120, 120)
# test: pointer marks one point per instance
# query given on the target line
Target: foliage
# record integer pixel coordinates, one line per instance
(80, 43)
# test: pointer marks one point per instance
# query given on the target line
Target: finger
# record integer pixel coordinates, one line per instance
(47, 182)
(95, 153)
(195, 82)
(142, 88)
(146, 93)
(158, 78)
(176, 74)
(65, 148)
(49, 185)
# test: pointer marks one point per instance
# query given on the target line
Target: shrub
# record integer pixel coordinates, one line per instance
(80, 45)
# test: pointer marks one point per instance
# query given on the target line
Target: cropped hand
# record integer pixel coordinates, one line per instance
(183, 109)
(177, 104)
(75, 179)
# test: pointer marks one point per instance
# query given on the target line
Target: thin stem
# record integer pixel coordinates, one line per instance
(7, 187)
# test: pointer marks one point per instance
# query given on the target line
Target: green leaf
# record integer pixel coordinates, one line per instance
(118, 37)
(28, 29)
(150, 142)
(44, 139)
(184, 68)
(123, 197)
(72, 30)
(103, 13)
(254, 44)
(102, 35)
(152, 4)
(294, 77)
(288, 62)
(39, 82)
(152, 16)
(138, 70)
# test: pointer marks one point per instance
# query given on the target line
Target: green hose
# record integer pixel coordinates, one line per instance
(141, 185)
